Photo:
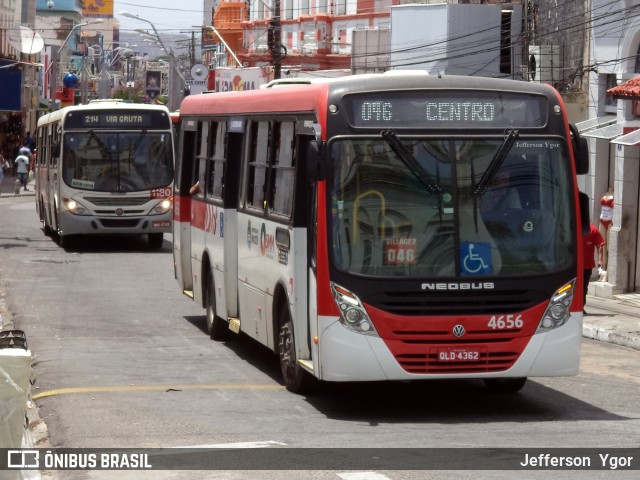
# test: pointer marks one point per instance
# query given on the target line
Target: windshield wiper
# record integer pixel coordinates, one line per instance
(400, 149)
(100, 143)
(510, 136)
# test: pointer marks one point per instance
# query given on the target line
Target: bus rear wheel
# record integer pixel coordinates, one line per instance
(296, 379)
(505, 385)
(217, 328)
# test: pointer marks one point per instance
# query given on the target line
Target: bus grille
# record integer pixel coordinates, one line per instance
(417, 328)
(454, 302)
(113, 212)
(119, 222)
(428, 363)
(117, 201)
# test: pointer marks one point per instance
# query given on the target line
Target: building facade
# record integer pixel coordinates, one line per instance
(613, 117)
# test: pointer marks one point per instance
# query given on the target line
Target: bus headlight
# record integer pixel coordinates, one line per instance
(75, 207)
(352, 313)
(163, 206)
(557, 312)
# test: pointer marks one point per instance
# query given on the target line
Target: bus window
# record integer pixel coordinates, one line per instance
(216, 164)
(258, 164)
(284, 172)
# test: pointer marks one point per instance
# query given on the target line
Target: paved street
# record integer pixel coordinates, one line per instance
(122, 360)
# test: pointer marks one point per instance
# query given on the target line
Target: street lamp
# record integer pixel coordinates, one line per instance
(173, 98)
(53, 84)
(214, 30)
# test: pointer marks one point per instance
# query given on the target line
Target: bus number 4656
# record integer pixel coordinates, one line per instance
(505, 322)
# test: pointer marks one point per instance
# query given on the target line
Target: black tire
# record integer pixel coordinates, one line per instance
(156, 240)
(68, 242)
(46, 228)
(296, 379)
(217, 328)
(505, 385)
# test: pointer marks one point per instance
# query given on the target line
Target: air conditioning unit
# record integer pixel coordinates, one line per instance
(544, 63)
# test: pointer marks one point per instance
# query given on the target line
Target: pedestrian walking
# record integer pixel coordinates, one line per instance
(591, 242)
(5, 166)
(22, 170)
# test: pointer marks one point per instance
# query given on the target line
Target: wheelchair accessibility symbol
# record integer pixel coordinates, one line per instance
(475, 258)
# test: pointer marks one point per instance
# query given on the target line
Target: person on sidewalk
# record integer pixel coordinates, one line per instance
(591, 242)
(22, 170)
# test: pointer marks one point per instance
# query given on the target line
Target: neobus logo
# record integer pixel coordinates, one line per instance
(459, 286)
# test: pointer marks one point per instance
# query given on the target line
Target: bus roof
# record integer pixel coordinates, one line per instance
(281, 99)
(312, 96)
(101, 104)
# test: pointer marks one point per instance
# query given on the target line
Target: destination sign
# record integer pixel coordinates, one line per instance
(117, 119)
(446, 109)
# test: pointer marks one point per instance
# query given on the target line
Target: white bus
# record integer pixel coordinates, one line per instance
(105, 168)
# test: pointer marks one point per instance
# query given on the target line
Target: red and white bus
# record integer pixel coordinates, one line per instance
(386, 227)
(106, 168)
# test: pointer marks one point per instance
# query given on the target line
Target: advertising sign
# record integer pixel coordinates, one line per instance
(98, 8)
(153, 83)
(239, 79)
(65, 95)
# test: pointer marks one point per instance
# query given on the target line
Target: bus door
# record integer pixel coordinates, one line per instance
(253, 278)
(186, 176)
(232, 163)
(53, 192)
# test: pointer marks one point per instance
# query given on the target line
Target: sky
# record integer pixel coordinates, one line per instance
(168, 16)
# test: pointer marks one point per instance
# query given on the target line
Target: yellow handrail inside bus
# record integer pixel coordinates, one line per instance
(356, 206)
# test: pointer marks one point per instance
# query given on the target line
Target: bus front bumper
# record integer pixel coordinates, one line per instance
(71, 224)
(348, 356)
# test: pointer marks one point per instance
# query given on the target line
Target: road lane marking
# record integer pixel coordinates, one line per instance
(153, 388)
(258, 444)
(363, 476)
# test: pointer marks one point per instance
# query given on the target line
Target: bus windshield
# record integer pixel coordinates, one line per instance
(117, 161)
(436, 214)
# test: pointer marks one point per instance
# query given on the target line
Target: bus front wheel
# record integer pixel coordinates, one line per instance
(217, 328)
(296, 379)
(505, 385)
(155, 240)
(46, 228)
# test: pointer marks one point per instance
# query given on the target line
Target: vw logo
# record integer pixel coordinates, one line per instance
(458, 330)
(119, 211)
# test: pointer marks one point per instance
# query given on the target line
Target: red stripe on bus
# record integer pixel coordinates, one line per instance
(182, 208)
(326, 305)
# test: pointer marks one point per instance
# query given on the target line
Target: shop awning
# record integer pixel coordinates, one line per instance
(594, 123)
(630, 139)
(607, 133)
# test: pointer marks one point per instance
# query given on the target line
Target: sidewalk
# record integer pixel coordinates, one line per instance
(614, 320)
(7, 187)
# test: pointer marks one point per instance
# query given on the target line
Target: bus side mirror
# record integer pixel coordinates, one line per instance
(580, 151)
(55, 150)
(316, 167)
(584, 212)
(582, 157)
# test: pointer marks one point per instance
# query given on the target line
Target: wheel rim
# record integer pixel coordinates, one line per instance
(210, 307)
(286, 350)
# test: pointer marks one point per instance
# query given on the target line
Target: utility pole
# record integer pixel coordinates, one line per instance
(192, 47)
(274, 40)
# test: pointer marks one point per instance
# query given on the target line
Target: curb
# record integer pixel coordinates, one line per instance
(610, 336)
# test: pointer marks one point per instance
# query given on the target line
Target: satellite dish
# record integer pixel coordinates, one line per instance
(199, 72)
(25, 40)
